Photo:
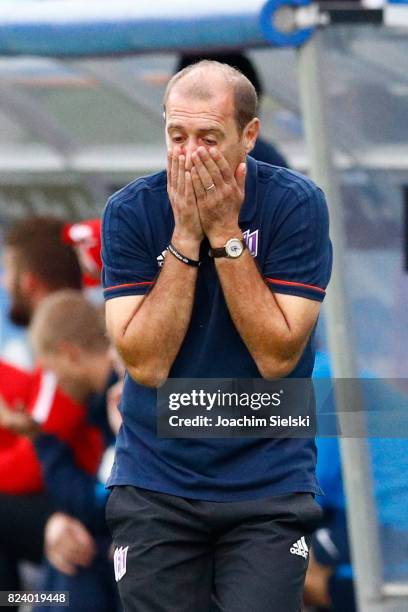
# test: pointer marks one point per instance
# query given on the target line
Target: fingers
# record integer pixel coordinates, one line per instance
(189, 190)
(16, 421)
(207, 169)
(68, 543)
(181, 175)
(174, 156)
(240, 175)
(79, 554)
(82, 538)
(3, 404)
(168, 168)
(3, 412)
(74, 554)
(222, 164)
(7, 416)
(198, 186)
(58, 561)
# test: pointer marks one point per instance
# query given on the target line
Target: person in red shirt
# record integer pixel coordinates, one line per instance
(68, 338)
(37, 262)
(85, 237)
(53, 412)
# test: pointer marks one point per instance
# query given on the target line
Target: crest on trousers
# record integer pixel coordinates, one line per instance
(251, 240)
(119, 562)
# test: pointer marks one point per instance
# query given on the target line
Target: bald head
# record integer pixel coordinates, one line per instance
(210, 79)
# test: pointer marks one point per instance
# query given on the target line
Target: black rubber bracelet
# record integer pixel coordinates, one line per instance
(181, 257)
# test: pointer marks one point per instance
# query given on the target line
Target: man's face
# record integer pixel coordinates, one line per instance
(192, 122)
(20, 306)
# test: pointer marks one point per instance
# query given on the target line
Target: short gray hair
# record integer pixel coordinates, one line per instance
(245, 96)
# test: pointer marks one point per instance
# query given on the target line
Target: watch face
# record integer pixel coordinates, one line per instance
(234, 247)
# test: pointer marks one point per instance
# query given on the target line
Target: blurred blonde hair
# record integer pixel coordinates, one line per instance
(67, 316)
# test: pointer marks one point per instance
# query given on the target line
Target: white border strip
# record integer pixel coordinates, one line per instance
(54, 12)
(396, 15)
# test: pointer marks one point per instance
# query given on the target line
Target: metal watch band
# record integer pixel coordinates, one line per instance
(189, 262)
(221, 251)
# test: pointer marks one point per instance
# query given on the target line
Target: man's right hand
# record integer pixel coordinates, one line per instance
(68, 544)
(17, 420)
(135, 321)
(183, 202)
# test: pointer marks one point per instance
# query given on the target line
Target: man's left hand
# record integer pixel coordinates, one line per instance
(68, 544)
(219, 192)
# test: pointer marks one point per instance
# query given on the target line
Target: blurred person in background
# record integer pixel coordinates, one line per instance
(43, 255)
(39, 260)
(36, 262)
(263, 150)
(330, 576)
(68, 338)
(85, 237)
(24, 505)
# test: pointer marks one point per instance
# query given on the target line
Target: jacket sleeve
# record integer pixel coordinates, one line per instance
(71, 489)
